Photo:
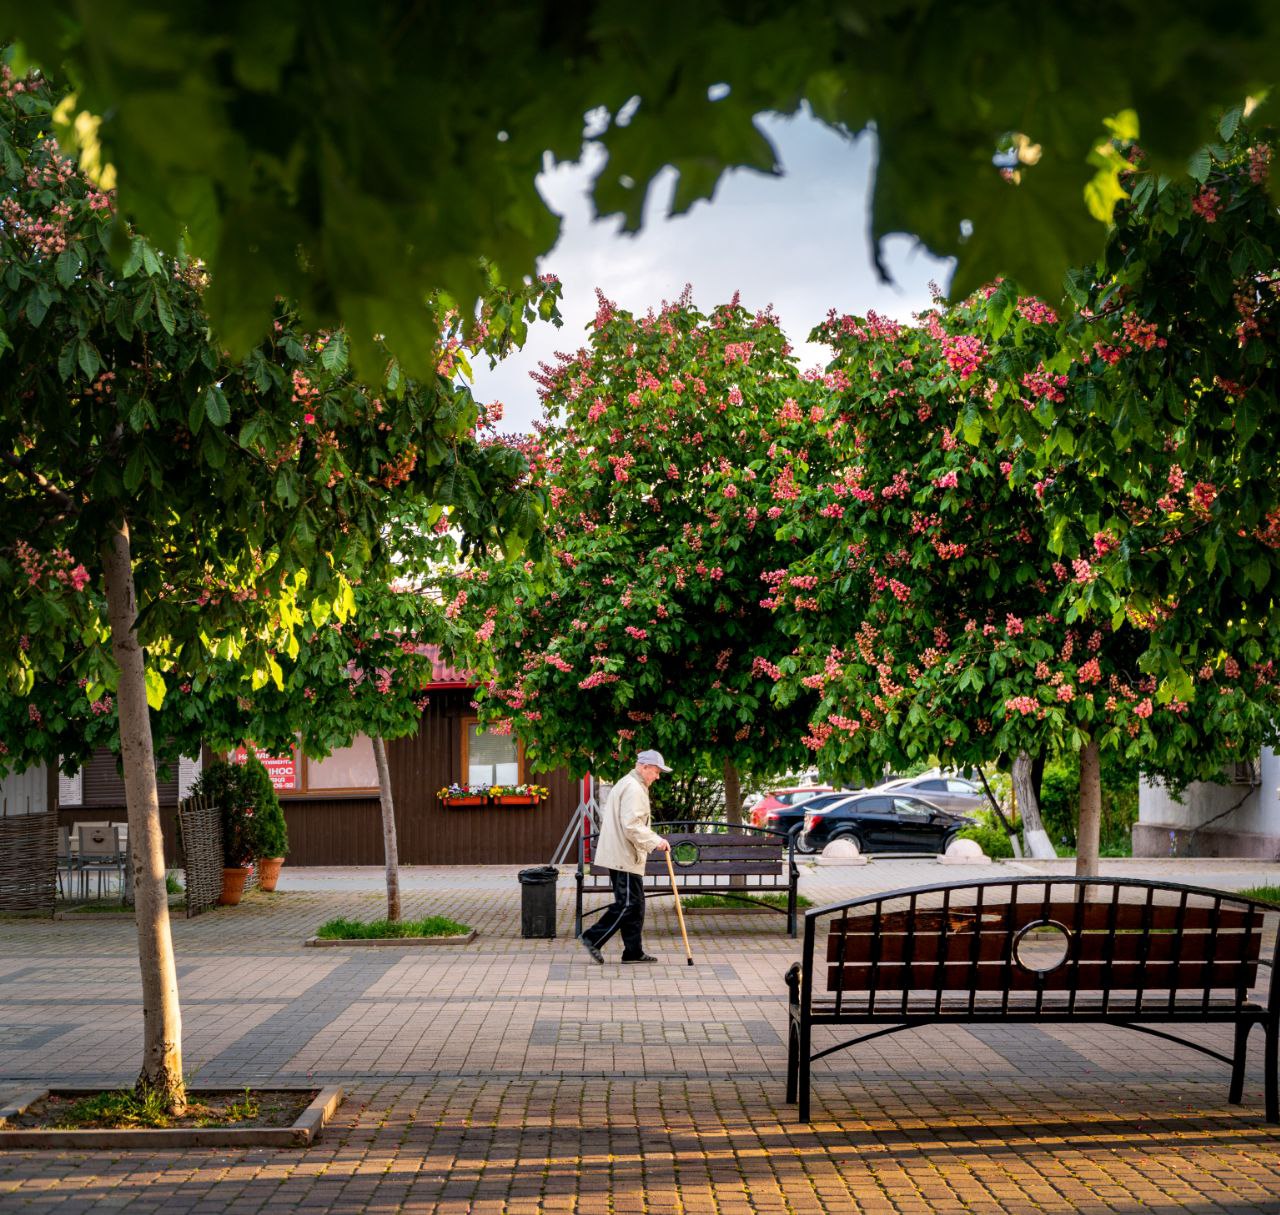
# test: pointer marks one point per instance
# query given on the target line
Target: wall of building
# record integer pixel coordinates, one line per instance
(1241, 819)
(25, 792)
(347, 829)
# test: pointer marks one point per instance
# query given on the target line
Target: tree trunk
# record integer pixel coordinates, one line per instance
(1090, 829)
(161, 1014)
(732, 794)
(1024, 791)
(389, 849)
(1015, 843)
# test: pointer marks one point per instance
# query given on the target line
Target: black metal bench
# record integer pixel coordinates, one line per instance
(1120, 952)
(738, 861)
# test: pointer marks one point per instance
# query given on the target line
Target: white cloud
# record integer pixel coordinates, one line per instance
(799, 242)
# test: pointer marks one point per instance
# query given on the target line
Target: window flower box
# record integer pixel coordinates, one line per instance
(463, 803)
(518, 795)
(463, 796)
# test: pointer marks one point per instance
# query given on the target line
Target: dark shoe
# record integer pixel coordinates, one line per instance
(644, 957)
(596, 956)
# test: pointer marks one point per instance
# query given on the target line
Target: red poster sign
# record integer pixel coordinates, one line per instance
(283, 769)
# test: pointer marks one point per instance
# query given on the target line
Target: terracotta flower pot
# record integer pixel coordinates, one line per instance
(269, 872)
(233, 881)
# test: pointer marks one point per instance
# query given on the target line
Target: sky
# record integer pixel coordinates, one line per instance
(798, 242)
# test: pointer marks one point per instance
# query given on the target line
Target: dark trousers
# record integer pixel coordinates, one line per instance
(625, 914)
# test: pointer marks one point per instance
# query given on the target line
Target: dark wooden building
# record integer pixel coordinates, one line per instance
(332, 809)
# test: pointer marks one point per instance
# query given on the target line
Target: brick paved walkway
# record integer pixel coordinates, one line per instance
(515, 1076)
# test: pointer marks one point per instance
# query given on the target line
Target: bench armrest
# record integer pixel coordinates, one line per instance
(793, 982)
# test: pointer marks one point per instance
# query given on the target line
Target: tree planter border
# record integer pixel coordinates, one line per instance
(462, 938)
(301, 1133)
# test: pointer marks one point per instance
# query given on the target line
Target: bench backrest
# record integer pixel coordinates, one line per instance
(1039, 936)
(731, 854)
(728, 851)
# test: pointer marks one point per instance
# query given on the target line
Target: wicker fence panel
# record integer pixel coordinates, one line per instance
(202, 845)
(29, 862)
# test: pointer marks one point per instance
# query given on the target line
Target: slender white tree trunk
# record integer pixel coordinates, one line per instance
(1090, 830)
(389, 848)
(732, 794)
(162, 1016)
(1024, 792)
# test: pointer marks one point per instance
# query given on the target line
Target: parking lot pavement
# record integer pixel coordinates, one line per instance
(512, 1075)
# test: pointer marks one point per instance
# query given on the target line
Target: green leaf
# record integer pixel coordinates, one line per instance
(67, 359)
(133, 263)
(1230, 122)
(216, 408)
(1199, 165)
(135, 469)
(155, 688)
(334, 355)
(68, 265)
(164, 310)
(151, 261)
(87, 354)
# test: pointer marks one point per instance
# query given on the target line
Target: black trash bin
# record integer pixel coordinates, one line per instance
(538, 901)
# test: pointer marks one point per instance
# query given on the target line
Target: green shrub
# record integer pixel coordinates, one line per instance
(992, 839)
(1060, 805)
(224, 784)
(1059, 801)
(268, 835)
(252, 820)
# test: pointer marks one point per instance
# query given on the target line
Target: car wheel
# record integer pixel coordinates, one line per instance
(852, 837)
(801, 842)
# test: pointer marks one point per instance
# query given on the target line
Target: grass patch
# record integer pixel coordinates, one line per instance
(694, 901)
(1270, 893)
(125, 1110)
(356, 930)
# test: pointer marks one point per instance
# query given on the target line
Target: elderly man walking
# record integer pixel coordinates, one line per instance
(626, 839)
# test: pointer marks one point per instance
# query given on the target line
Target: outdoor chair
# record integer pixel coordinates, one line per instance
(100, 853)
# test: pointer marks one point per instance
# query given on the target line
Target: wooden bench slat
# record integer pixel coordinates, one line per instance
(856, 980)
(709, 867)
(710, 839)
(1093, 916)
(993, 944)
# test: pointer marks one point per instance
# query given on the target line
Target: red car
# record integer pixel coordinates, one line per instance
(783, 799)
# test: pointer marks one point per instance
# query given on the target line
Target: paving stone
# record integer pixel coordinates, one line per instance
(516, 1076)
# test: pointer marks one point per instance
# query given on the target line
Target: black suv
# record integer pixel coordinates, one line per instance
(880, 822)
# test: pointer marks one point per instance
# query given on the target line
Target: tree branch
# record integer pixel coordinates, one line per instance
(64, 500)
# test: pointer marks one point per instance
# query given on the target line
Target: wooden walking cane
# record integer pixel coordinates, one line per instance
(675, 894)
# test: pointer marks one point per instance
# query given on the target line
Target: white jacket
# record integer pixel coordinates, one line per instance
(626, 838)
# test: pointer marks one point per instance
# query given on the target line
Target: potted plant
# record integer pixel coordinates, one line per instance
(224, 784)
(518, 795)
(269, 836)
(463, 795)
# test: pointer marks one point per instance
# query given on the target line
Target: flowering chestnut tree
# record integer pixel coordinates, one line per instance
(1157, 459)
(163, 506)
(676, 445)
(932, 617)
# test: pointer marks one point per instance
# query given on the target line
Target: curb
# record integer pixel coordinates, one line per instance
(310, 1123)
(390, 942)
